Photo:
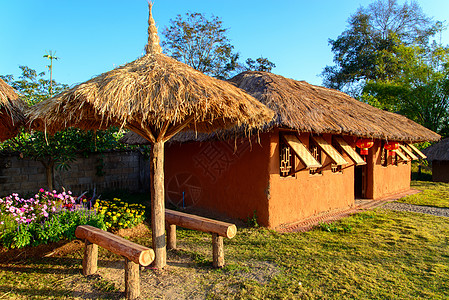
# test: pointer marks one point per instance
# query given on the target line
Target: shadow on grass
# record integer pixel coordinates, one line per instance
(56, 293)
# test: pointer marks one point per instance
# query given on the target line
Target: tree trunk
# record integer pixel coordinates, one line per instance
(49, 173)
(158, 203)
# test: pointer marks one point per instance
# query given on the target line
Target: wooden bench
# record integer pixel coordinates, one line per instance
(133, 253)
(218, 230)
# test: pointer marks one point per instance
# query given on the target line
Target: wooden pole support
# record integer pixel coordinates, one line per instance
(158, 204)
(90, 258)
(217, 251)
(132, 282)
(171, 236)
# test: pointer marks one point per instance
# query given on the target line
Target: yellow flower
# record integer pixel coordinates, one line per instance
(108, 213)
(114, 218)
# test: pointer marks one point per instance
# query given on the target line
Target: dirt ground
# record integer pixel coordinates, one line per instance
(182, 278)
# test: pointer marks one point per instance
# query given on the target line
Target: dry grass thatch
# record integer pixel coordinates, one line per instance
(308, 108)
(438, 151)
(153, 95)
(11, 112)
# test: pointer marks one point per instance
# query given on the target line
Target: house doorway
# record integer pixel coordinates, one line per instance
(360, 182)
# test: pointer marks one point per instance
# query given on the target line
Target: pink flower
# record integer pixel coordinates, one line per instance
(41, 190)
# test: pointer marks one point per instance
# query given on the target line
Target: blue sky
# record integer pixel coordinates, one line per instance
(94, 36)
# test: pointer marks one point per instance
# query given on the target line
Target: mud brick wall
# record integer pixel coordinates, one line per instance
(126, 170)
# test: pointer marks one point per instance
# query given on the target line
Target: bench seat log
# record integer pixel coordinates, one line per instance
(181, 219)
(218, 229)
(134, 252)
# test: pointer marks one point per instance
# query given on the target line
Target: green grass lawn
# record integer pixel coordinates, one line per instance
(378, 254)
(433, 194)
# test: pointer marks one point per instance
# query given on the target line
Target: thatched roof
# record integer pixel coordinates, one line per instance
(309, 108)
(438, 151)
(11, 111)
(151, 95)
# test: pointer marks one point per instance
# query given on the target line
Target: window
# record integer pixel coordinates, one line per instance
(299, 150)
(287, 160)
(316, 153)
(383, 155)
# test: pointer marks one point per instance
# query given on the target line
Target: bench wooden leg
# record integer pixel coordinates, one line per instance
(217, 251)
(171, 236)
(132, 280)
(90, 258)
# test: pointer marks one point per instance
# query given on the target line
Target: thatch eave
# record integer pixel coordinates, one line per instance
(12, 110)
(308, 108)
(438, 151)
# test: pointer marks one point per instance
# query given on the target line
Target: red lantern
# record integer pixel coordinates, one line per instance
(391, 147)
(364, 145)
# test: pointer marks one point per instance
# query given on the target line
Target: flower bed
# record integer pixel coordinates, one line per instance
(51, 216)
(46, 217)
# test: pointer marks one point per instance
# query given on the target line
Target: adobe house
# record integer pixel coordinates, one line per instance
(438, 154)
(303, 163)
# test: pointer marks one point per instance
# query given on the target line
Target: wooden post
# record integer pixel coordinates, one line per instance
(217, 251)
(158, 204)
(90, 258)
(171, 236)
(132, 282)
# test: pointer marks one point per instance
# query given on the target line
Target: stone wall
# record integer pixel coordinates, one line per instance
(102, 171)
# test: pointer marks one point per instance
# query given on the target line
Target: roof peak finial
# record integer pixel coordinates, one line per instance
(153, 46)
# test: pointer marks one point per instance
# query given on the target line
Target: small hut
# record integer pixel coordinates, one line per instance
(11, 112)
(306, 162)
(438, 154)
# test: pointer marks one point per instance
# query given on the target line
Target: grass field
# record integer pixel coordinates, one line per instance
(378, 254)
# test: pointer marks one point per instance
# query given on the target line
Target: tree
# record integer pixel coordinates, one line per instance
(370, 41)
(61, 149)
(203, 45)
(260, 64)
(420, 91)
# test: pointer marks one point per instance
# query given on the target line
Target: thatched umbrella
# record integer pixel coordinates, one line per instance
(156, 97)
(11, 112)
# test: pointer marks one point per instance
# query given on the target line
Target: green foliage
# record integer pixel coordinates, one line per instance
(335, 227)
(59, 226)
(32, 85)
(260, 64)
(201, 43)
(252, 221)
(366, 49)
(119, 214)
(420, 91)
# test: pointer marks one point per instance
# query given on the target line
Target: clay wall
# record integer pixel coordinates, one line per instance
(227, 179)
(303, 195)
(386, 180)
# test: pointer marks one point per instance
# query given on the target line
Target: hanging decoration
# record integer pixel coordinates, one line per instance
(391, 147)
(364, 145)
